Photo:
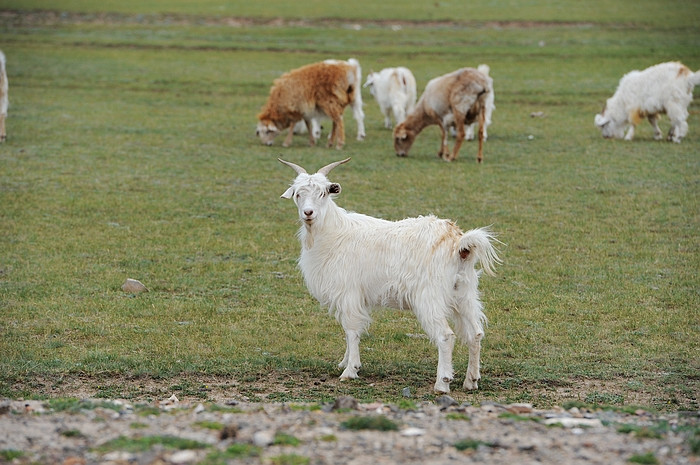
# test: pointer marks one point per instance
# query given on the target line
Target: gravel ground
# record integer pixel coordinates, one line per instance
(96, 431)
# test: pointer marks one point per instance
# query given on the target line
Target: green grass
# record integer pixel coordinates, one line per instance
(378, 422)
(131, 153)
(144, 443)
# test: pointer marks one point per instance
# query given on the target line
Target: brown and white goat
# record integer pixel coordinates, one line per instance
(459, 98)
(313, 91)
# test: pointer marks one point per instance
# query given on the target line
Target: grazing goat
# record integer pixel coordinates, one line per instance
(394, 89)
(353, 262)
(456, 98)
(663, 88)
(4, 101)
(313, 91)
(470, 129)
(300, 128)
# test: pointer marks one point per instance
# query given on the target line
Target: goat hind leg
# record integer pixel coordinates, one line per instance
(351, 360)
(471, 381)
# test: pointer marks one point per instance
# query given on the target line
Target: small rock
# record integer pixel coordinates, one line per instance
(183, 456)
(228, 432)
(345, 402)
(133, 286)
(445, 402)
(574, 422)
(74, 461)
(412, 432)
(519, 409)
(118, 456)
(406, 392)
(199, 408)
(537, 114)
(263, 438)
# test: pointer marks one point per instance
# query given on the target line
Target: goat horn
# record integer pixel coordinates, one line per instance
(327, 169)
(296, 168)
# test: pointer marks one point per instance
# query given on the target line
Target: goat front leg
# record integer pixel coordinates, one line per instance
(459, 140)
(654, 121)
(351, 360)
(630, 133)
(471, 381)
(288, 140)
(311, 127)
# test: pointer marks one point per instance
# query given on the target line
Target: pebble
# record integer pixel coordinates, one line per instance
(133, 286)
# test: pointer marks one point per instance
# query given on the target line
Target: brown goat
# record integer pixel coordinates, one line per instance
(456, 98)
(312, 91)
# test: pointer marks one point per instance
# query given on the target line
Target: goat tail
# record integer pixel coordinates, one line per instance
(484, 69)
(358, 70)
(476, 245)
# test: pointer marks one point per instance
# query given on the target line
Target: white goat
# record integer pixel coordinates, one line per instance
(490, 106)
(300, 128)
(394, 89)
(4, 101)
(353, 262)
(663, 88)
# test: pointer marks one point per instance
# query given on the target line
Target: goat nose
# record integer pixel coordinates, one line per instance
(308, 212)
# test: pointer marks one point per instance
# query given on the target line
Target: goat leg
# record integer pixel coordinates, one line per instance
(288, 140)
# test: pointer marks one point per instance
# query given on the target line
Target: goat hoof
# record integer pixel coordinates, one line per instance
(471, 384)
(348, 376)
(441, 387)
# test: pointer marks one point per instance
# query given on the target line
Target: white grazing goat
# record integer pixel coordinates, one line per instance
(300, 128)
(456, 98)
(663, 88)
(394, 89)
(4, 101)
(490, 106)
(353, 262)
(313, 91)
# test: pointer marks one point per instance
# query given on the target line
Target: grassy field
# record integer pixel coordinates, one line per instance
(131, 153)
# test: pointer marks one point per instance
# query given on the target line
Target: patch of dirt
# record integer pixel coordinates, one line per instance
(169, 431)
(51, 17)
(300, 386)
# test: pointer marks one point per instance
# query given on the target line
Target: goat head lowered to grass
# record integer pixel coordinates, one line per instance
(352, 262)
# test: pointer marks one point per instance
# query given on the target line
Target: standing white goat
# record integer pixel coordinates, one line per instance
(353, 262)
(394, 89)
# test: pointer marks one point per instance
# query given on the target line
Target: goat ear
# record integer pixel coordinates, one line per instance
(287, 194)
(601, 120)
(334, 188)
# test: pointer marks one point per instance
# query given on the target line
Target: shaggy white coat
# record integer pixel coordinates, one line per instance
(394, 89)
(663, 88)
(353, 262)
